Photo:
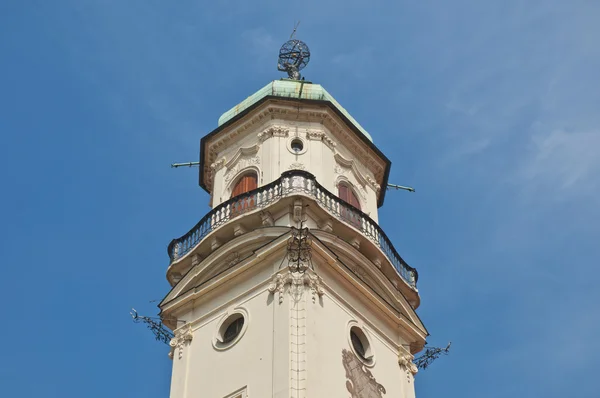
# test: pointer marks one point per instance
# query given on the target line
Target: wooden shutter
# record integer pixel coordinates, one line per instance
(245, 184)
(353, 200)
(343, 192)
(348, 196)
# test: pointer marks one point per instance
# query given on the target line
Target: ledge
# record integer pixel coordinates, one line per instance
(291, 183)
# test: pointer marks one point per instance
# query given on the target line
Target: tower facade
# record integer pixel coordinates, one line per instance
(288, 287)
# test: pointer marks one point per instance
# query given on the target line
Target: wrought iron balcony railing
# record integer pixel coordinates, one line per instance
(290, 183)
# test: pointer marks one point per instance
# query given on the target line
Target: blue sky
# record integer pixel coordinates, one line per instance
(489, 109)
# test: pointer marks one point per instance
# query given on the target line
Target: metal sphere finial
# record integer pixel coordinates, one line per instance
(293, 57)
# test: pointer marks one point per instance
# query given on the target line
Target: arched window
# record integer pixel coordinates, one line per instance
(347, 195)
(246, 183)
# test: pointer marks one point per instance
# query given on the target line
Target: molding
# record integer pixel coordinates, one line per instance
(288, 145)
(242, 153)
(297, 166)
(183, 337)
(406, 363)
(241, 393)
(259, 243)
(405, 360)
(232, 259)
(312, 113)
(293, 283)
(370, 361)
(238, 230)
(241, 166)
(356, 168)
(266, 218)
(383, 296)
(273, 131)
(218, 165)
(317, 135)
(218, 344)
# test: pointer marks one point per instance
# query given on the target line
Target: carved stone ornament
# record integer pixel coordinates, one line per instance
(232, 259)
(182, 337)
(406, 363)
(294, 282)
(240, 165)
(266, 219)
(361, 383)
(218, 165)
(273, 131)
(358, 270)
(376, 187)
(320, 136)
(297, 166)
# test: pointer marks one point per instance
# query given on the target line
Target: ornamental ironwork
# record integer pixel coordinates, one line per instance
(299, 250)
(293, 182)
(294, 55)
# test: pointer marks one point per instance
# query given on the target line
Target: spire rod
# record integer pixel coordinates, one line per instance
(294, 31)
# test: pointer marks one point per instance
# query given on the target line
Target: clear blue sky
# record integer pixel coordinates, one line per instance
(490, 109)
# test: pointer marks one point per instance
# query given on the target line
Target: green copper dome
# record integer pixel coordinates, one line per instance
(290, 89)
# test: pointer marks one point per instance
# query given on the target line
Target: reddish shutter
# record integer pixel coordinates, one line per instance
(348, 196)
(245, 184)
(353, 200)
(343, 192)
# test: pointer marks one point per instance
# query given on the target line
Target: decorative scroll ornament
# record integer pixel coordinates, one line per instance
(273, 131)
(294, 283)
(320, 136)
(232, 259)
(218, 165)
(373, 184)
(297, 166)
(267, 219)
(182, 337)
(361, 383)
(406, 363)
(299, 272)
(240, 165)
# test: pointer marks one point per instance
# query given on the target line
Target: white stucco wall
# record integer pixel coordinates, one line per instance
(205, 371)
(272, 156)
(292, 345)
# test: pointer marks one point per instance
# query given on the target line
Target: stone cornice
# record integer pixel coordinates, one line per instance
(271, 110)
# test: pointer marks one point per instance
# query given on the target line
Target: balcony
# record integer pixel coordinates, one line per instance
(294, 182)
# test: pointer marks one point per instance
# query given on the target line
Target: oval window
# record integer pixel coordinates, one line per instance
(361, 345)
(297, 146)
(231, 330)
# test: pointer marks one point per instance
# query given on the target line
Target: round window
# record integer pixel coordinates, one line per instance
(357, 344)
(297, 145)
(231, 330)
(361, 346)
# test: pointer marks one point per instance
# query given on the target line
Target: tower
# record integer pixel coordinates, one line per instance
(288, 287)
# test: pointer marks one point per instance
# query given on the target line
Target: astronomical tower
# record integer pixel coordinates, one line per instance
(288, 287)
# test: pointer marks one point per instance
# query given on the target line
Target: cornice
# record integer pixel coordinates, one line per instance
(279, 110)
